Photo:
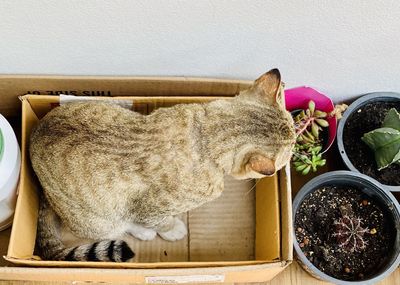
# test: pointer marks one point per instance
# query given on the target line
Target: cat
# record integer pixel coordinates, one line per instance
(106, 171)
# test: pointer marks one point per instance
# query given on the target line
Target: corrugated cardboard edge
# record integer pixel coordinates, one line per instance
(250, 273)
(141, 265)
(22, 203)
(285, 189)
(12, 86)
(286, 215)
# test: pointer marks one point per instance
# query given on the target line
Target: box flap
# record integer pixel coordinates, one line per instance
(12, 86)
(286, 213)
(23, 232)
(268, 238)
(247, 273)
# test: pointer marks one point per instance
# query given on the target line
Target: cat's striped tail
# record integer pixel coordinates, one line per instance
(107, 250)
(50, 247)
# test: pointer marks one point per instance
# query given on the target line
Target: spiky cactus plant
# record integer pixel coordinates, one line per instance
(350, 234)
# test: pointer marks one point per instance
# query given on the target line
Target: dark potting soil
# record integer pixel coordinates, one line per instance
(369, 117)
(317, 233)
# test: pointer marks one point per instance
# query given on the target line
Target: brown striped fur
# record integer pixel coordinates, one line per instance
(106, 171)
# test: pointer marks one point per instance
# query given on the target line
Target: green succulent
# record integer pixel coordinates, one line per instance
(307, 157)
(307, 154)
(385, 141)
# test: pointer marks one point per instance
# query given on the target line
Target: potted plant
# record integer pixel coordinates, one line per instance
(363, 116)
(10, 162)
(315, 119)
(311, 131)
(346, 228)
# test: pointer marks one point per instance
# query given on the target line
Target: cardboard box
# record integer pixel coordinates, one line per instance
(244, 236)
(12, 86)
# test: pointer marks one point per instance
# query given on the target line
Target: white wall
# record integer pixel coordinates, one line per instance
(343, 48)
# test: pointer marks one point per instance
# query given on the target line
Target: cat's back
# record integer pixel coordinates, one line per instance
(79, 117)
(76, 124)
(78, 148)
(76, 138)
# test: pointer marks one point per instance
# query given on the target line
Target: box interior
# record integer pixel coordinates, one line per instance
(249, 224)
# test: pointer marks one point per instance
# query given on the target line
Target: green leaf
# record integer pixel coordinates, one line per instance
(320, 114)
(311, 106)
(298, 163)
(315, 129)
(386, 144)
(392, 120)
(308, 161)
(317, 149)
(306, 170)
(309, 136)
(322, 122)
(321, 162)
(313, 159)
(301, 167)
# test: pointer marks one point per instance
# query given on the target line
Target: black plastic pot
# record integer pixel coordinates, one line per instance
(356, 105)
(376, 192)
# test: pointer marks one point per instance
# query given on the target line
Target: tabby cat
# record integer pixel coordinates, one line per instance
(107, 171)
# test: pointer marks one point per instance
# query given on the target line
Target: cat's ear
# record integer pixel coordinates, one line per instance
(269, 86)
(262, 164)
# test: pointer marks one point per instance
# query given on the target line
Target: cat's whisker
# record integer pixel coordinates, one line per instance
(253, 187)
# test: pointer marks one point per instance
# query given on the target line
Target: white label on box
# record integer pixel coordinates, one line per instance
(184, 279)
(71, 98)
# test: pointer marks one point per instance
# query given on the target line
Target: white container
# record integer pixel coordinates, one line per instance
(10, 163)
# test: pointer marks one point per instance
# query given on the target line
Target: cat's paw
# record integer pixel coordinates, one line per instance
(178, 232)
(148, 234)
(141, 232)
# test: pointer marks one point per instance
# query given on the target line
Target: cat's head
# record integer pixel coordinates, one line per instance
(271, 143)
